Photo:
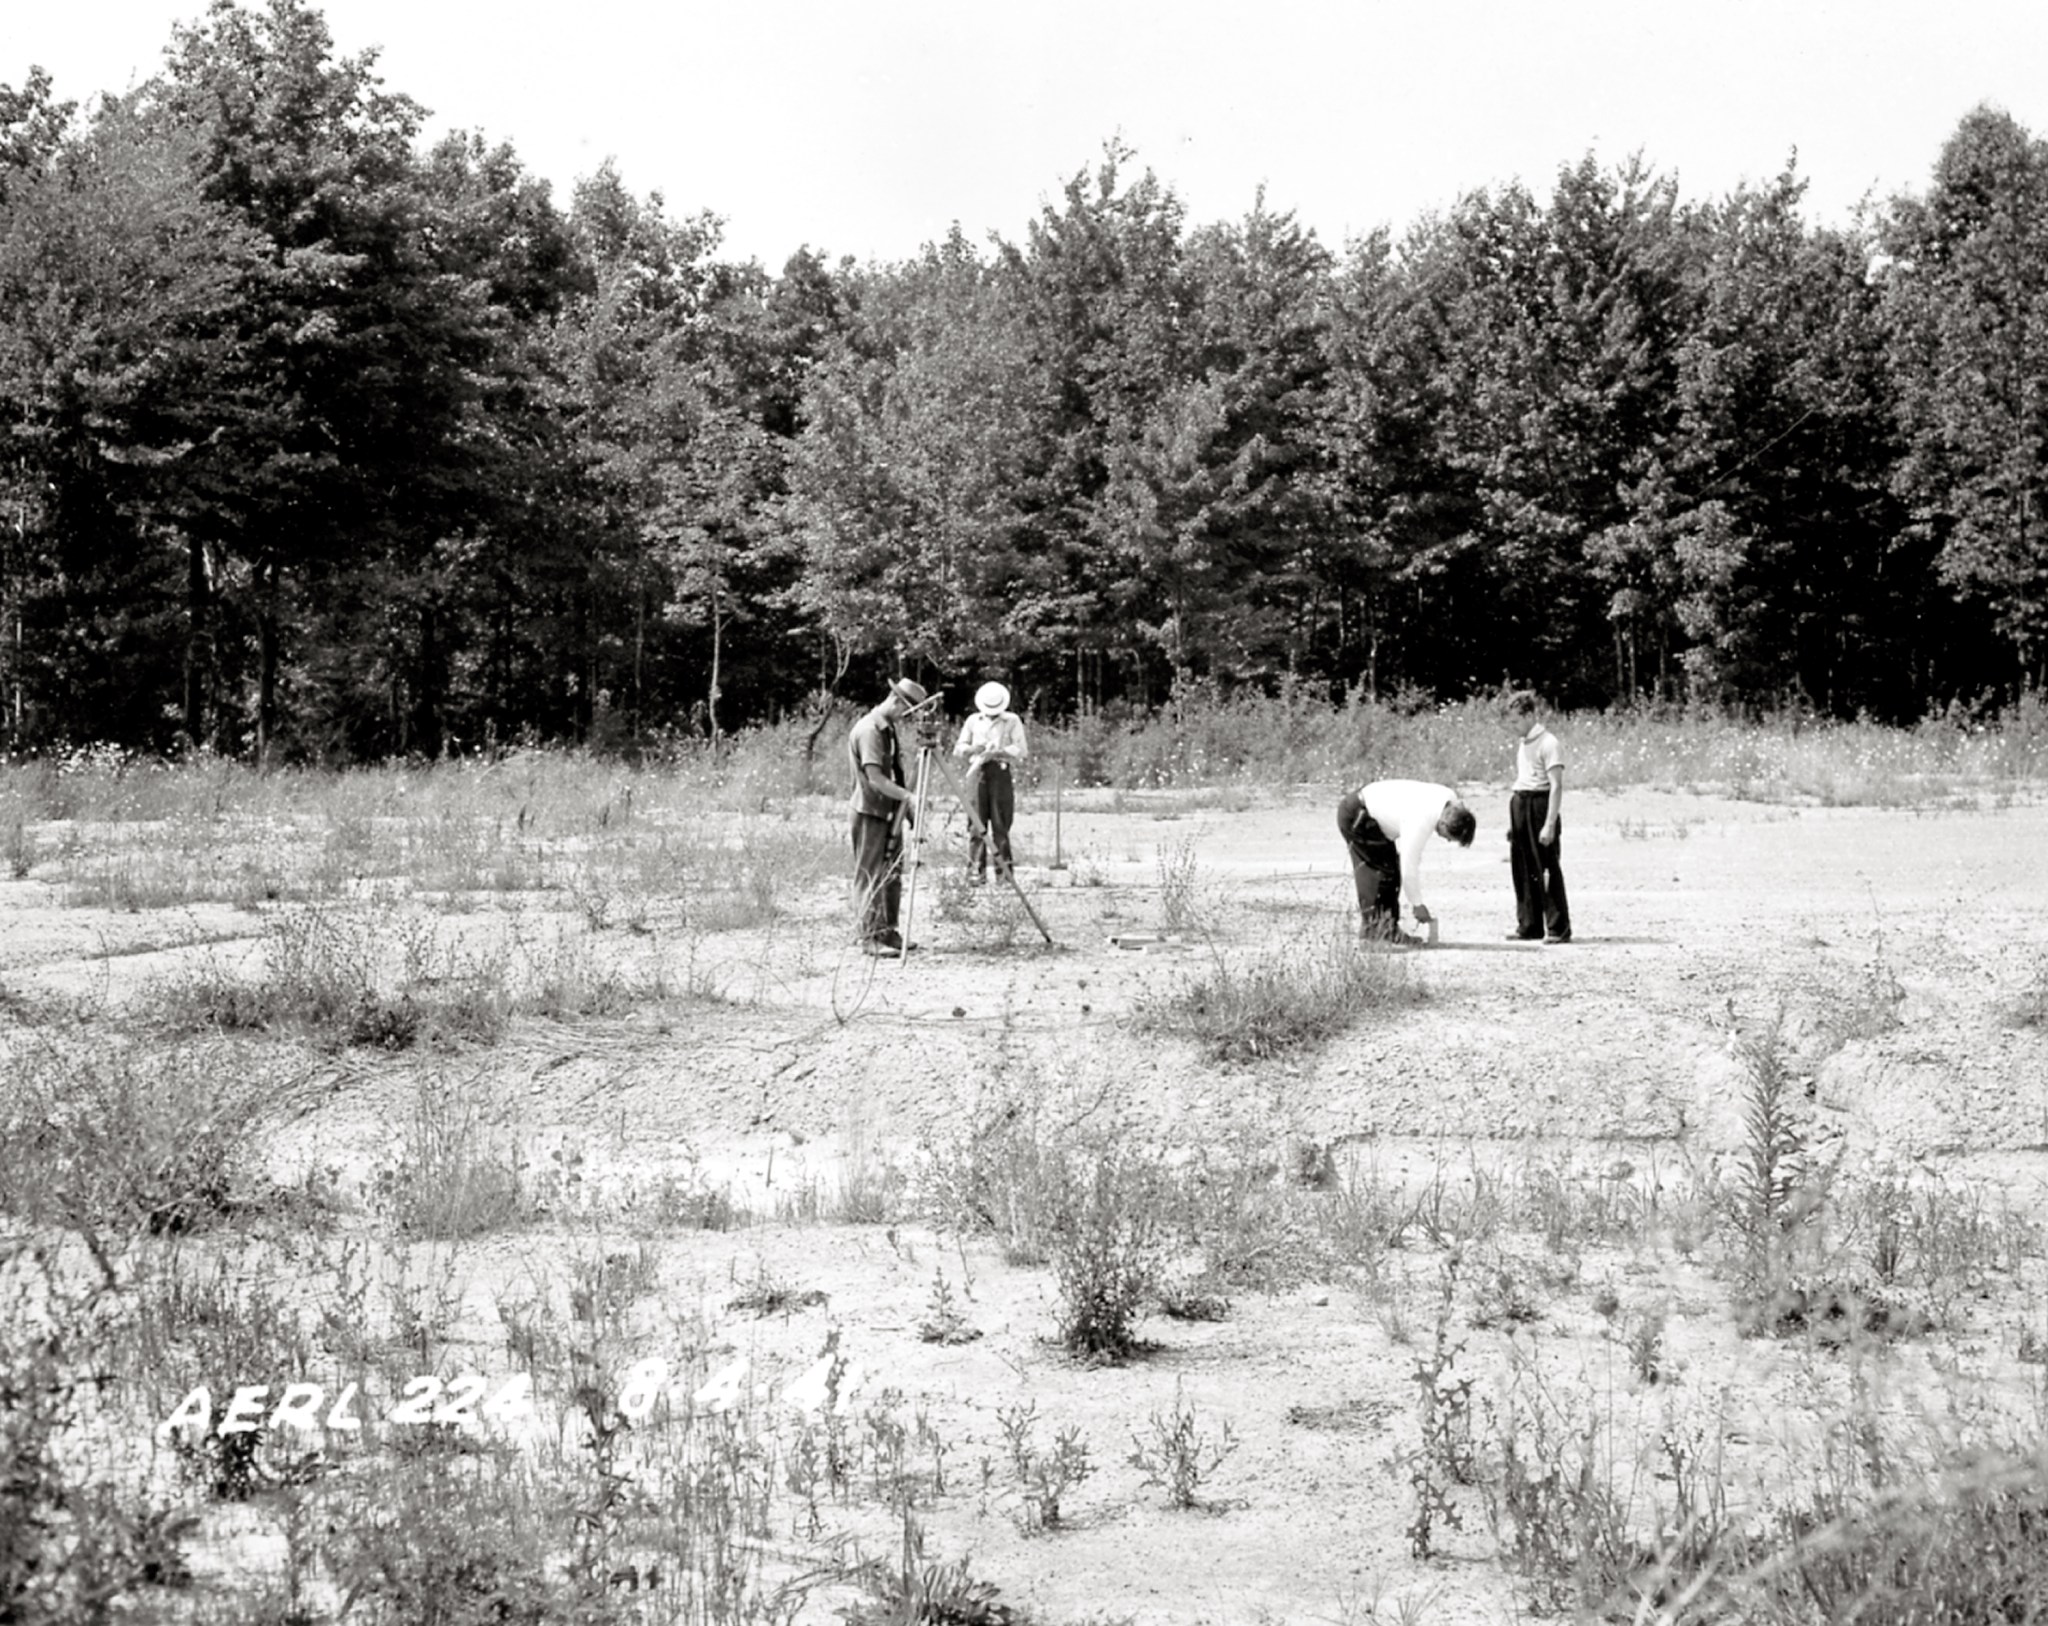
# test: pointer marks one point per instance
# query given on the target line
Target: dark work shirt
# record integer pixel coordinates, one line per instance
(873, 742)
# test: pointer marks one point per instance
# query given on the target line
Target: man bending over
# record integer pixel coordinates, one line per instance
(1384, 825)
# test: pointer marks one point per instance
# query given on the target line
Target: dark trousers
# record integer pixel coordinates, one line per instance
(995, 810)
(1375, 867)
(1540, 905)
(877, 873)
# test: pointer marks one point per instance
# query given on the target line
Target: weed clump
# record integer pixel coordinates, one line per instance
(1100, 1213)
(1006, 1177)
(319, 979)
(103, 1139)
(68, 1547)
(1181, 891)
(450, 1180)
(1279, 1001)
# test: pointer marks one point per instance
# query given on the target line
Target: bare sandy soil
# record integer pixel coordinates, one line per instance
(1897, 945)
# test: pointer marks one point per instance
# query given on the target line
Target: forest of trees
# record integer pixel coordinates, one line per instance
(318, 441)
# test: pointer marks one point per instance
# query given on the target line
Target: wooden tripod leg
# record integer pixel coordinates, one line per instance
(914, 847)
(963, 791)
(1010, 875)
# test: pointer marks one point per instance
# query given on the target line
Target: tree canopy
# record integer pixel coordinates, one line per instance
(320, 441)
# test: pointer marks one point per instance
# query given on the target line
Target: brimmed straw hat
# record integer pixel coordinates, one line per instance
(991, 700)
(912, 693)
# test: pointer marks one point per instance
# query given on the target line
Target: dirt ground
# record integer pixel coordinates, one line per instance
(1894, 942)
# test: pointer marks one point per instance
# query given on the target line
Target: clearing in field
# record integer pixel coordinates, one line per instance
(688, 1265)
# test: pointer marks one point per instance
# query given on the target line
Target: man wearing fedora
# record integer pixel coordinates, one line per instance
(881, 807)
(993, 743)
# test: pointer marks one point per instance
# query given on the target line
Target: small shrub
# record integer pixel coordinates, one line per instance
(1778, 1191)
(1646, 1346)
(1044, 1477)
(1501, 1295)
(691, 1201)
(767, 1296)
(1108, 1243)
(943, 1322)
(990, 918)
(955, 897)
(1444, 1457)
(2029, 1007)
(1186, 1301)
(604, 1288)
(1176, 1456)
(1563, 1524)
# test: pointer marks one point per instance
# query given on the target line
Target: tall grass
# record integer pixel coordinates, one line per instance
(386, 819)
(548, 793)
(1302, 737)
(732, 834)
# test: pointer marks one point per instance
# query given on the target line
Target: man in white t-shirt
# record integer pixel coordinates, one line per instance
(1384, 825)
(1535, 833)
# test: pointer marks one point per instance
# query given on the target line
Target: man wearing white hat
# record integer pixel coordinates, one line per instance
(993, 743)
(881, 806)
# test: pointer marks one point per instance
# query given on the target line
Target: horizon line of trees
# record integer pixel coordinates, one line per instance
(318, 442)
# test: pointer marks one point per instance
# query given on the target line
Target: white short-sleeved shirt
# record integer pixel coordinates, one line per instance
(1535, 755)
(1003, 733)
(1407, 810)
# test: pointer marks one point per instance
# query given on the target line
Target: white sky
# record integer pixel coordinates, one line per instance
(867, 127)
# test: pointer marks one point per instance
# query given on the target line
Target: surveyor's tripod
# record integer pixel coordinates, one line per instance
(912, 842)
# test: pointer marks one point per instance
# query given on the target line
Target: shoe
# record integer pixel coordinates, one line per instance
(1524, 937)
(977, 880)
(1554, 937)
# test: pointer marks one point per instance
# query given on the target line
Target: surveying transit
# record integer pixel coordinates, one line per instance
(926, 718)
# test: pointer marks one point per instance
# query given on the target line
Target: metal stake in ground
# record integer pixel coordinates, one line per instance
(1059, 855)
